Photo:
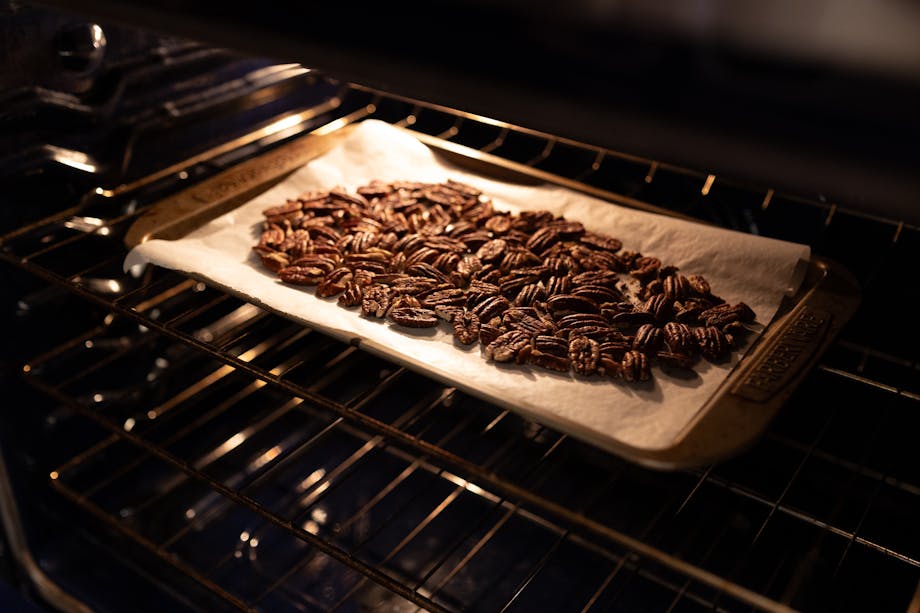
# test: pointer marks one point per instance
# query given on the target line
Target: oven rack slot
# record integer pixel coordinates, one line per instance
(237, 339)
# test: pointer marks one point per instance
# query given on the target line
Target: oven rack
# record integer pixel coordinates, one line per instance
(704, 539)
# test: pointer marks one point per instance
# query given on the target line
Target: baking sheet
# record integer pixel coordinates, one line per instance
(612, 414)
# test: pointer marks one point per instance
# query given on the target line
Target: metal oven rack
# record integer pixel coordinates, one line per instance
(259, 465)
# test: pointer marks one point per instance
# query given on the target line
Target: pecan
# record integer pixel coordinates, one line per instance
(445, 297)
(679, 338)
(491, 307)
(608, 366)
(549, 361)
(352, 295)
(616, 349)
(551, 344)
(414, 285)
(492, 250)
(327, 289)
(301, 275)
(272, 235)
(479, 291)
(422, 269)
(530, 294)
(375, 301)
(583, 354)
(543, 239)
(674, 360)
(531, 287)
(507, 346)
(517, 258)
(468, 266)
(579, 320)
(517, 319)
(274, 261)
(635, 366)
(414, 317)
(499, 224)
(632, 318)
(597, 240)
(712, 343)
(488, 333)
(605, 278)
(312, 260)
(561, 264)
(403, 301)
(724, 314)
(528, 221)
(659, 306)
(651, 289)
(645, 268)
(648, 338)
(466, 327)
(564, 303)
(699, 285)
(598, 293)
(558, 285)
(288, 207)
(676, 287)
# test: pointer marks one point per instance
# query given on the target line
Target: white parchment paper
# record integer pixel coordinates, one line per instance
(740, 267)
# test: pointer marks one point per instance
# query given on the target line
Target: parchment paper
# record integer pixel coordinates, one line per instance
(740, 267)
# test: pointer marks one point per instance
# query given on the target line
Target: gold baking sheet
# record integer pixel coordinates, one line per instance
(667, 422)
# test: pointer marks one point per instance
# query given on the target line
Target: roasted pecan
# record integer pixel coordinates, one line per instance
(635, 366)
(301, 275)
(499, 224)
(492, 250)
(468, 265)
(676, 287)
(583, 354)
(568, 303)
(507, 346)
(491, 307)
(605, 278)
(414, 317)
(558, 285)
(645, 268)
(549, 361)
(699, 285)
(659, 306)
(598, 293)
(376, 301)
(674, 360)
(288, 207)
(551, 344)
(466, 327)
(445, 297)
(530, 294)
(274, 261)
(352, 295)
(711, 342)
(724, 314)
(648, 339)
(679, 338)
(488, 333)
(597, 240)
(615, 349)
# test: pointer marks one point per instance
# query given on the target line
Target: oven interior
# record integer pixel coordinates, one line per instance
(168, 447)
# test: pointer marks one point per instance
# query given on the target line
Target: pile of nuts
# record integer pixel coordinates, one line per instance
(532, 288)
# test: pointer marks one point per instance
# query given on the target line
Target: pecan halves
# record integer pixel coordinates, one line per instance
(414, 317)
(466, 327)
(531, 288)
(635, 366)
(583, 354)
